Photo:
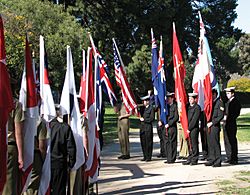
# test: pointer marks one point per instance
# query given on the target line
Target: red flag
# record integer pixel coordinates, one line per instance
(201, 79)
(6, 105)
(180, 92)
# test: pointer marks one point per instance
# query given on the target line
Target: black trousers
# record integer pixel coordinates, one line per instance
(214, 145)
(230, 141)
(161, 134)
(58, 181)
(194, 152)
(146, 138)
(171, 144)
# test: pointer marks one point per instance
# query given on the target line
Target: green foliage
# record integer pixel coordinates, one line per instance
(139, 71)
(41, 18)
(243, 124)
(244, 53)
(242, 84)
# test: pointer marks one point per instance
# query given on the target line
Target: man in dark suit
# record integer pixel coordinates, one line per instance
(214, 148)
(233, 108)
(171, 129)
(193, 112)
(146, 129)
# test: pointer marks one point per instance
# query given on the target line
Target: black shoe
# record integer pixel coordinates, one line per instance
(186, 162)
(193, 163)
(159, 156)
(209, 164)
(170, 162)
(203, 158)
(217, 165)
(143, 159)
(121, 157)
(180, 157)
(147, 160)
(227, 161)
(126, 157)
(233, 162)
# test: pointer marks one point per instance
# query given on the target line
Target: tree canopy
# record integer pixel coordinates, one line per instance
(129, 22)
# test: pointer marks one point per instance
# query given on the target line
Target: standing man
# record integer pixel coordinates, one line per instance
(233, 108)
(214, 149)
(63, 154)
(194, 111)
(171, 129)
(123, 129)
(15, 145)
(146, 129)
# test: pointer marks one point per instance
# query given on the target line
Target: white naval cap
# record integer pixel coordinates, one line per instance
(193, 94)
(147, 97)
(170, 94)
(229, 89)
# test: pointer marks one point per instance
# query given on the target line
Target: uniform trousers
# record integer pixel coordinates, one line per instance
(58, 181)
(147, 143)
(214, 145)
(194, 153)
(230, 140)
(171, 144)
(161, 133)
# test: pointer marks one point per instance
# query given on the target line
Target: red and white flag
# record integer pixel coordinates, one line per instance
(69, 105)
(180, 93)
(93, 150)
(6, 105)
(201, 79)
(48, 111)
(28, 99)
(121, 79)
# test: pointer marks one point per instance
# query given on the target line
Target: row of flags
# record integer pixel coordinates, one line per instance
(204, 78)
(94, 81)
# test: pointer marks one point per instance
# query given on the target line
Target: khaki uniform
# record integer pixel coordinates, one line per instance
(183, 143)
(38, 161)
(11, 185)
(123, 131)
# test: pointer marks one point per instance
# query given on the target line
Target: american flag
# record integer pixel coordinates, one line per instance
(121, 79)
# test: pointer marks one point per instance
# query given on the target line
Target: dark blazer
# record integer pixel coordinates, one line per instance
(217, 112)
(148, 116)
(173, 115)
(193, 116)
(233, 108)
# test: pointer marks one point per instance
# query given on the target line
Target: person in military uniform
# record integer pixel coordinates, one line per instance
(15, 149)
(15, 145)
(123, 129)
(232, 111)
(40, 147)
(193, 113)
(171, 129)
(63, 154)
(161, 134)
(214, 131)
(146, 129)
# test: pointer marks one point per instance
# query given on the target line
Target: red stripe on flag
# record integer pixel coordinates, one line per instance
(6, 105)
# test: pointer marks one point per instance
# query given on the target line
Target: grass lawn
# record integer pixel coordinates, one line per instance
(110, 125)
(243, 133)
(240, 184)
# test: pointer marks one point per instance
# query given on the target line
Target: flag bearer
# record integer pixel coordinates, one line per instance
(194, 112)
(171, 129)
(146, 129)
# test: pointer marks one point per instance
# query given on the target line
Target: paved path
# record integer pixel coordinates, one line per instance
(133, 176)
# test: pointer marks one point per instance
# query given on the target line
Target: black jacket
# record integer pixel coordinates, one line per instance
(63, 145)
(233, 108)
(217, 112)
(173, 116)
(148, 116)
(193, 116)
